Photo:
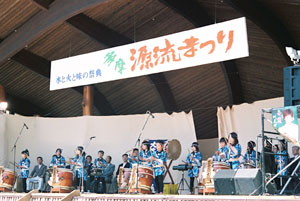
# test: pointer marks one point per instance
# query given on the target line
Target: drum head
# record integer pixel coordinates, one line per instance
(174, 149)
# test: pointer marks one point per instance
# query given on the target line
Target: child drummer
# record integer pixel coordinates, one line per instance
(159, 158)
(222, 154)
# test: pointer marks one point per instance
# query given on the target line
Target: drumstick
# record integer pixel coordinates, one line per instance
(14, 164)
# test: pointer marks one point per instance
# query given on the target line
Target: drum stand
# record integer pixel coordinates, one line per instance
(181, 183)
(14, 148)
(138, 142)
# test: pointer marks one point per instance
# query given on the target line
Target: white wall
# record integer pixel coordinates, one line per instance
(115, 134)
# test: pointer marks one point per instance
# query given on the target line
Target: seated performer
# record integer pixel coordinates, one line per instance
(235, 150)
(145, 154)
(38, 174)
(89, 168)
(159, 159)
(134, 159)
(108, 171)
(195, 160)
(58, 159)
(250, 155)
(78, 165)
(99, 181)
(222, 154)
(24, 165)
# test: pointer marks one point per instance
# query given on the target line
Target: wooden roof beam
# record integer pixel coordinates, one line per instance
(22, 107)
(42, 66)
(12, 46)
(111, 38)
(58, 12)
(268, 21)
(43, 4)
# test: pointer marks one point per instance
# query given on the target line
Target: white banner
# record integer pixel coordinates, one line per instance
(213, 43)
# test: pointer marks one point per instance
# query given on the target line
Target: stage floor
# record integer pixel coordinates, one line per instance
(123, 197)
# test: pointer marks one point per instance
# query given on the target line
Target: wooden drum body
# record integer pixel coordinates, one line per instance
(145, 179)
(220, 166)
(123, 179)
(62, 180)
(7, 180)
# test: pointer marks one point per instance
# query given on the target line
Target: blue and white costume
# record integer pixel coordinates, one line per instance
(223, 151)
(25, 163)
(194, 159)
(58, 161)
(234, 154)
(144, 155)
(158, 166)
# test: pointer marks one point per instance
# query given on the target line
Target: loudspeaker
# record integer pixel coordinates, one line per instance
(291, 85)
(248, 181)
(224, 182)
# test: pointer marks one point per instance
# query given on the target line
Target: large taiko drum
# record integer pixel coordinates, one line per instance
(62, 180)
(171, 147)
(145, 179)
(7, 179)
(123, 178)
(220, 166)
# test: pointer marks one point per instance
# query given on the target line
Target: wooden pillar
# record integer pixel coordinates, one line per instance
(2, 94)
(87, 102)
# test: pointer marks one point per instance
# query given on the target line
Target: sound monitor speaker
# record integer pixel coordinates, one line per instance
(224, 182)
(248, 181)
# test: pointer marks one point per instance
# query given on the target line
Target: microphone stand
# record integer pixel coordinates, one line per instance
(82, 176)
(14, 149)
(138, 142)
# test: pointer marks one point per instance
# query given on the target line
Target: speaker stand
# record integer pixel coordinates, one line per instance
(181, 183)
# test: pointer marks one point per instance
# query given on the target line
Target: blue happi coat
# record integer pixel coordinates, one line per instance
(58, 161)
(235, 164)
(251, 157)
(80, 162)
(133, 159)
(225, 151)
(158, 166)
(196, 162)
(24, 173)
(145, 155)
(281, 161)
(100, 163)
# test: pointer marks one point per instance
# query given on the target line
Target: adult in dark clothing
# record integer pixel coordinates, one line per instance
(295, 180)
(125, 163)
(90, 177)
(269, 158)
(37, 174)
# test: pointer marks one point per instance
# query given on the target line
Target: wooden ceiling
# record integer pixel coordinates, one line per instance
(35, 32)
